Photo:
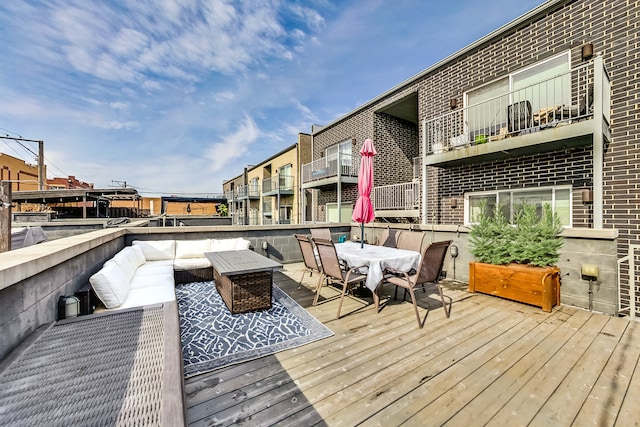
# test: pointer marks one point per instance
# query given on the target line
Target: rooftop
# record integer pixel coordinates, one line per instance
(494, 362)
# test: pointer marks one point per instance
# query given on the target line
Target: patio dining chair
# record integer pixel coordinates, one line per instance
(388, 238)
(311, 261)
(321, 233)
(410, 240)
(332, 270)
(429, 271)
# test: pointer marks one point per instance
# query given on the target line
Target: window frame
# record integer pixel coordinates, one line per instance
(342, 147)
(511, 93)
(553, 189)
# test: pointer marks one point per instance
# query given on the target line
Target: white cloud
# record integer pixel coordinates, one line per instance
(310, 16)
(151, 85)
(113, 124)
(119, 105)
(233, 146)
(224, 96)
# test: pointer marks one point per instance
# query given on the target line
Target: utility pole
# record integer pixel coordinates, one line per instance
(39, 156)
(5, 216)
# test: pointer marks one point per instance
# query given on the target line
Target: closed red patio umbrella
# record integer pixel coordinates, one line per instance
(363, 211)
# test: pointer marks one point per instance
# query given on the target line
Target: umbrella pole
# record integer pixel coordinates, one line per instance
(361, 235)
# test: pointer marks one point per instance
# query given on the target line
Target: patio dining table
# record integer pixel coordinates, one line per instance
(377, 259)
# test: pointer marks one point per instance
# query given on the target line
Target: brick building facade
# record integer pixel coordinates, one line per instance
(397, 119)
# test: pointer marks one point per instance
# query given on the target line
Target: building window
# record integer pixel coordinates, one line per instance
(559, 198)
(285, 177)
(254, 187)
(344, 149)
(544, 84)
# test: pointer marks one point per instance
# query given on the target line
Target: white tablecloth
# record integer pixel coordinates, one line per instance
(377, 258)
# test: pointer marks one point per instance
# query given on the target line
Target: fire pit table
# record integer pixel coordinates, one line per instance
(244, 279)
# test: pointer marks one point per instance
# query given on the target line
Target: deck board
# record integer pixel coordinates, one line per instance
(493, 362)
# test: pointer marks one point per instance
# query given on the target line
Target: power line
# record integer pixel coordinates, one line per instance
(19, 139)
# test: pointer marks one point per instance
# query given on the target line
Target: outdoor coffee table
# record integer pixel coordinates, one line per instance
(243, 279)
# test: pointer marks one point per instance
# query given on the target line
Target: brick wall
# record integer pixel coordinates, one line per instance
(612, 26)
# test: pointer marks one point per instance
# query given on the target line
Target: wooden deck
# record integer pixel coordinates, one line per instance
(493, 362)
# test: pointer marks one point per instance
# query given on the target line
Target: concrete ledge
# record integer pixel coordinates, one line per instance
(23, 263)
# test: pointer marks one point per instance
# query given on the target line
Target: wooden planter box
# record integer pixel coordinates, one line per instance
(539, 286)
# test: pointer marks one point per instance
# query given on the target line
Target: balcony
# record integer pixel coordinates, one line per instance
(231, 196)
(327, 171)
(249, 192)
(550, 115)
(397, 200)
(278, 185)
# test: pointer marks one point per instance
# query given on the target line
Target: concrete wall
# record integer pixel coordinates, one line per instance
(596, 247)
(33, 278)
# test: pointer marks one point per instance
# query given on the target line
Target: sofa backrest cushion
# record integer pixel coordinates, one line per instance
(192, 248)
(128, 261)
(156, 250)
(242, 243)
(110, 285)
(219, 245)
(138, 254)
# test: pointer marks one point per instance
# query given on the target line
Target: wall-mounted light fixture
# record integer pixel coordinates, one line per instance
(5, 205)
(353, 141)
(453, 203)
(265, 246)
(453, 103)
(587, 51)
(589, 272)
(587, 196)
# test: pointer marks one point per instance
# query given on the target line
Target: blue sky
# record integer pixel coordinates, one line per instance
(175, 96)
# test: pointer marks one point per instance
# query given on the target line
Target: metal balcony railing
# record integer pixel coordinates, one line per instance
(230, 196)
(331, 166)
(277, 183)
(403, 196)
(557, 100)
(249, 191)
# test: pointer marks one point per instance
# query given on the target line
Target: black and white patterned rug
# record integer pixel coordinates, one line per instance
(213, 338)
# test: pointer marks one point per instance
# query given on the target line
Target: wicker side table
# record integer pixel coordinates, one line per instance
(244, 279)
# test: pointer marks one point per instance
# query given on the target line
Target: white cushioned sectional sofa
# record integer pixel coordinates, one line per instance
(146, 272)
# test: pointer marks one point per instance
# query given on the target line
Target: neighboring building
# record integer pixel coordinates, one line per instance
(269, 192)
(67, 183)
(23, 176)
(544, 109)
(237, 207)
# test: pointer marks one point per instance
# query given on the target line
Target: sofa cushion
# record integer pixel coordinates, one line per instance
(219, 245)
(242, 244)
(138, 254)
(155, 267)
(110, 285)
(156, 250)
(149, 280)
(127, 260)
(162, 292)
(185, 264)
(192, 248)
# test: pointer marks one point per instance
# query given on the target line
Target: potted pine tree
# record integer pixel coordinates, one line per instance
(517, 261)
